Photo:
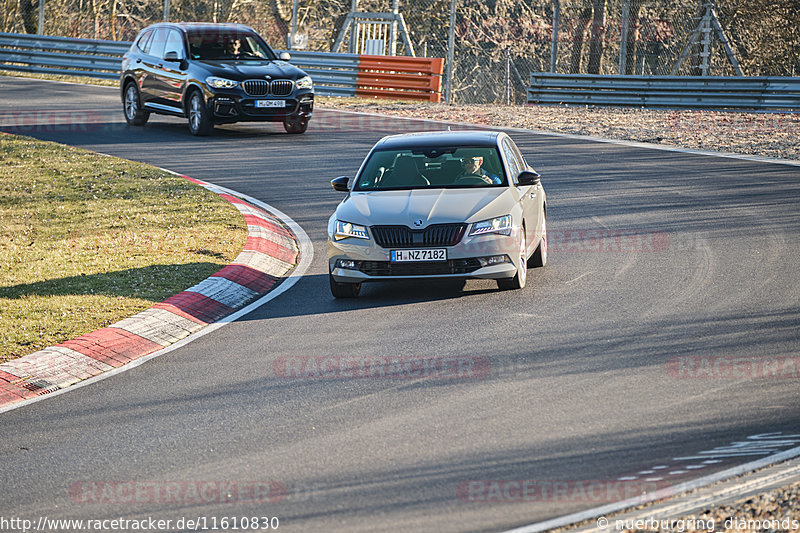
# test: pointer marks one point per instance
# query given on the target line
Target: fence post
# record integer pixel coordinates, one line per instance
(623, 35)
(393, 35)
(40, 28)
(451, 43)
(554, 43)
(294, 24)
(166, 10)
(508, 76)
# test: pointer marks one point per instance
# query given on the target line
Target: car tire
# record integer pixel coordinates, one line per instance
(521, 276)
(539, 257)
(295, 126)
(135, 114)
(343, 290)
(198, 114)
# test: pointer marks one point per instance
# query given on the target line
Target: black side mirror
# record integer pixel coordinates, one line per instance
(340, 184)
(172, 57)
(529, 177)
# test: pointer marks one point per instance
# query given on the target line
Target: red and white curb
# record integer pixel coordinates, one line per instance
(276, 254)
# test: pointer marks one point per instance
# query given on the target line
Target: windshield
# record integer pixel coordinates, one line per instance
(432, 168)
(218, 45)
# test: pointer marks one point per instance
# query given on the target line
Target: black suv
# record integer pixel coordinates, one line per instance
(212, 74)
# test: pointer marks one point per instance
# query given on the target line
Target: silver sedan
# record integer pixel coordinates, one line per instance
(438, 205)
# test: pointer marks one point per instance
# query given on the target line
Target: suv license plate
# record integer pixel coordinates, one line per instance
(402, 256)
(270, 103)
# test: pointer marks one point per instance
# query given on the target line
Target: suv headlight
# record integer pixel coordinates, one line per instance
(304, 83)
(343, 230)
(497, 225)
(221, 83)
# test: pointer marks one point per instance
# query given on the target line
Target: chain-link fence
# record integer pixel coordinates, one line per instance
(497, 43)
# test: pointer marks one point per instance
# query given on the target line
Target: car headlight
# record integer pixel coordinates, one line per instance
(221, 83)
(343, 230)
(497, 225)
(304, 83)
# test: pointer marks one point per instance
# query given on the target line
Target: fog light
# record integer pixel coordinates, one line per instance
(497, 259)
(346, 263)
(493, 260)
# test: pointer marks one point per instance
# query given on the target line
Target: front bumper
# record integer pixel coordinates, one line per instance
(235, 106)
(470, 258)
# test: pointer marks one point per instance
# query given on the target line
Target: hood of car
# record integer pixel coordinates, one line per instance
(430, 206)
(247, 70)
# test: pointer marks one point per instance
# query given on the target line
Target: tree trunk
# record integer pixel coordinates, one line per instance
(577, 36)
(28, 10)
(633, 36)
(598, 34)
(113, 20)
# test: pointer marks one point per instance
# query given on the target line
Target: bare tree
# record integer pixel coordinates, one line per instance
(598, 32)
(577, 37)
(27, 11)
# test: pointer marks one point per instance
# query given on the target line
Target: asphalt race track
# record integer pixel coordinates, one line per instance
(657, 260)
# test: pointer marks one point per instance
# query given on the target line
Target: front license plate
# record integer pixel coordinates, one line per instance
(401, 256)
(270, 103)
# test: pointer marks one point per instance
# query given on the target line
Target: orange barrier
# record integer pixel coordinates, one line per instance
(401, 78)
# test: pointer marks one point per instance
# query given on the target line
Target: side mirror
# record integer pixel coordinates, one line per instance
(529, 177)
(172, 57)
(340, 184)
(286, 56)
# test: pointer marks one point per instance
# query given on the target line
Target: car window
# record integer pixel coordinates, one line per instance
(175, 44)
(432, 167)
(220, 45)
(158, 42)
(144, 41)
(513, 164)
(520, 158)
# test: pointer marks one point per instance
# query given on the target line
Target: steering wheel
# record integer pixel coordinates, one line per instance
(471, 180)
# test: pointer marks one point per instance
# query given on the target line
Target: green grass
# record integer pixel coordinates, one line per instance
(86, 240)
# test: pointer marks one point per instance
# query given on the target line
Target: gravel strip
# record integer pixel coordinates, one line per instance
(775, 510)
(763, 134)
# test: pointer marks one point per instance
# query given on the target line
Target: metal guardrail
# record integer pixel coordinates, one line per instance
(333, 74)
(695, 92)
(60, 55)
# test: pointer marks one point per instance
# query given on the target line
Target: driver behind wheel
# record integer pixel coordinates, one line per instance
(473, 169)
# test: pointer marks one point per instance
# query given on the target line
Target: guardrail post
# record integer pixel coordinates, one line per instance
(166, 10)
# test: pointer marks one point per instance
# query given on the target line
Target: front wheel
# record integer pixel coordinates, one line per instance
(539, 257)
(343, 290)
(135, 114)
(199, 117)
(521, 276)
(299, 125)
